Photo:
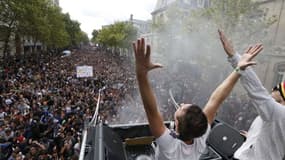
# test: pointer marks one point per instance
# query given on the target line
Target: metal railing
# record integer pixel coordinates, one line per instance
(93, 122)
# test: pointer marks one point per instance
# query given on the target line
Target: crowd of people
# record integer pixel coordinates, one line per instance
(43, 105)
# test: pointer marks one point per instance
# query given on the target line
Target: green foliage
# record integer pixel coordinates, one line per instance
(11, 14)
(83, 38)
(94, 35)
(11, 10)
(41, 21)
(117, 35)
(34, 21)
(58, 35)
(73, 30)
(238, 18)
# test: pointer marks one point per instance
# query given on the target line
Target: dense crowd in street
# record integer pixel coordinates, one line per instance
(43, 106)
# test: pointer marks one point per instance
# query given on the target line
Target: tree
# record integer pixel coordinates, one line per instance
(39, 20)
(240, 16)
(35, 22)
(117, 35)
(94, 35)
(83, 38)
(130, 35)
(58, 37)
(73, 29)
(11, 13)
(186, 26)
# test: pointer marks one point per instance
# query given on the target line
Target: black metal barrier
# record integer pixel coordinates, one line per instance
(110, 142)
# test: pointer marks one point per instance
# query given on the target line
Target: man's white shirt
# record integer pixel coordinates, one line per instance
(266, 136)
(171, 148)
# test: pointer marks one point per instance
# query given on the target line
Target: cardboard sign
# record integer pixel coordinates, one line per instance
(84, 71)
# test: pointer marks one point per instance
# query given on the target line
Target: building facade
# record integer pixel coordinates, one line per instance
(143, 28)
(276, 8)
(273, 69)
(163, 5)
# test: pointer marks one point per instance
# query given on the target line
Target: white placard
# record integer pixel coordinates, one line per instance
(84, 71)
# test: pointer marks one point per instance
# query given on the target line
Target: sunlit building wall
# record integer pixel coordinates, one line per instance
(143, 28)
(273, 61)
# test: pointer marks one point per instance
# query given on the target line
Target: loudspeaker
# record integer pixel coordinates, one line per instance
(108, 145)
(225, 140)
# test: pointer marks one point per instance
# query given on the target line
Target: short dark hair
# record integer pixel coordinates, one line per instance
(280, 88)
(192, 124)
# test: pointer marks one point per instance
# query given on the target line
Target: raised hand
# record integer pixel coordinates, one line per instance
(228, 47)
(143, 63)
(250, 53)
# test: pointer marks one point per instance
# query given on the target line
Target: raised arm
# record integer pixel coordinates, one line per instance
(260, 97)
(219, 95)
(225, 88)
(227, 44)
(143, 66)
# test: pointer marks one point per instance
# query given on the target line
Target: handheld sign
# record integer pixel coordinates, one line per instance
(84, 71)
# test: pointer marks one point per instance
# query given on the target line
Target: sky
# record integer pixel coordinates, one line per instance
(92, 14)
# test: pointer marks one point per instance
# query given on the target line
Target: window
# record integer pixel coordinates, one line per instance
(207, 3)
(280, 77)
(187, 1)
(164, 3)
(200, 3)
(280, 73)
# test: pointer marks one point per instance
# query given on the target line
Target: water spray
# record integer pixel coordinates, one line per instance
(176, 105)
(95, 116)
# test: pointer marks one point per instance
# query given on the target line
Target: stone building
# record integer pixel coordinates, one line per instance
(272, 70)
(163, 5)
(143, 28)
